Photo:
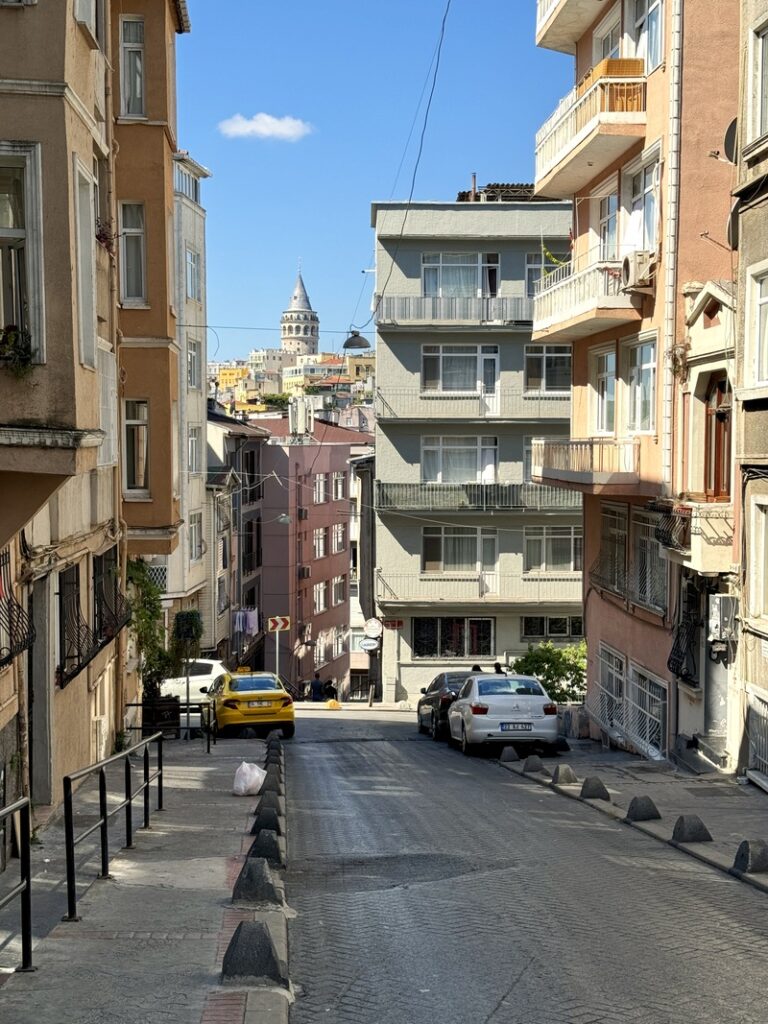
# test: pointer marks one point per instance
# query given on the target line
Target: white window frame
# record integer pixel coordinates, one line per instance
(339, 590)
(339, 486)
(486, 539)
(85, 263)
(486, 453)
(601, 378)
(194, 448)
(611, 22)
(195, 536)
(633, 232)
(320, 542)
(320, 597)
(646, 547)
(89, 14)
(136, 492)
(614, 528)
(339, 538)
(539, 265)
(194, 365)
(108, 401)
(321, 488)
(757, 375)
(481, 263)
(544, 352)
(639, 29)
(125, 48)
(608, 207)
(634, 385)
(482, 354)
(193, 275)
(133, 301)
(543, 536)
(758, 560)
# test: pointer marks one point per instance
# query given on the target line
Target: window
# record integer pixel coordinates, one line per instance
(339, 486)
(132, 253)
(459, 459)
(339, 589)
(320, 538)
(760, 291)
(320, 594)
(13, 243)
(553, 549)
(339, 641)
(187, 184)
(86, 266)
(106, 595)
(648, 32)
(339, 537)
(193, 363)
(132, 66)
(642, 387)
(194, 449)
(460, 274)
(609, 210)
(642, 217)
(611, 571)
(195, 536)
(543, 627)
(718, 438)
(605, 393)
(453, 638)
(222, 594)
(468, 368)
(539, 265)
(194, 282)
(137, 446)
(759, 566)
(548, 368)
(458, 549)
(608, 41)
(648, 579)
(321, 488)
(108, 407)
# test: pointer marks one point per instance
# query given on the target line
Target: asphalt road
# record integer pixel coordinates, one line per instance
(430, 888)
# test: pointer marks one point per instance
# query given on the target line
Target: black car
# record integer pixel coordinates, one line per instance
(432, 709)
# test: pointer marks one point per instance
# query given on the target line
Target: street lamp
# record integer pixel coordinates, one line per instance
(356, 341)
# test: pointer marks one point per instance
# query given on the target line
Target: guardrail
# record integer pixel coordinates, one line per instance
(24, 889)
(71, 840)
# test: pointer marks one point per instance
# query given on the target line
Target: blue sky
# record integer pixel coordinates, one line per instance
(353, 70)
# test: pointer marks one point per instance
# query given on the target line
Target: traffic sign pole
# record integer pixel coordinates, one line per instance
(277, 654)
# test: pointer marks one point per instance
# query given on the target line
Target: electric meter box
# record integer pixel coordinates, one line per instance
(722, 617)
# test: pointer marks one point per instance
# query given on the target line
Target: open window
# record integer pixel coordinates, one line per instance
(717, 403)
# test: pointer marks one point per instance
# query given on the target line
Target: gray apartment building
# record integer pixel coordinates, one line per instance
(474, 561)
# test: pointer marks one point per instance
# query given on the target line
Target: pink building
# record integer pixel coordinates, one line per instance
(306, 570)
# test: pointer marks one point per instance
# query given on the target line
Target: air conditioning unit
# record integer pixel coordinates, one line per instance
(303, 513)
(637, 271)
(305, 572)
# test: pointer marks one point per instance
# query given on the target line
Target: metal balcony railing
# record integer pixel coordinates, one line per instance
(587, 457)
(444, 309)
(111, 610)
(79, 643)
(158, 574)
(478, 497)
(17, 634)
(503, 403)
(461, 587)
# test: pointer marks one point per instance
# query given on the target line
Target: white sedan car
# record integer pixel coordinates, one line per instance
(501, 709)
(202, 672)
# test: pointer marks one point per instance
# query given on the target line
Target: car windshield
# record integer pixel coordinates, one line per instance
(250, 684)
(455, 680)
(498, 686)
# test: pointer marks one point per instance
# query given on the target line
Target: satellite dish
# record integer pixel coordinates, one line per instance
(732, 227)
(729, 142)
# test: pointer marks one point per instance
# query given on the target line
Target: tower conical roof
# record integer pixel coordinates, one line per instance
(299, 298)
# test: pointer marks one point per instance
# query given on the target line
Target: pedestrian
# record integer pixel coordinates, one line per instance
(475, 668)
(316, 688)
(329, 690)
(498, 669)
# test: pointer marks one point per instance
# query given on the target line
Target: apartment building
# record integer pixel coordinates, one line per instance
(644, 300)
(62, 629)
(474, 560)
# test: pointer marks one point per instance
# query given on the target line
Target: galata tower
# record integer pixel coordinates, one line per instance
(299, 324)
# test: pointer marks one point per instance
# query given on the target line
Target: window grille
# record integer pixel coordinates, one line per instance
(78, 644)
(17, 633)
(648, 581)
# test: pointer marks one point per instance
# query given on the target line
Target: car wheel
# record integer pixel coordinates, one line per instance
(419, 723)
(288, 731)
(435, 729)
(467, 748)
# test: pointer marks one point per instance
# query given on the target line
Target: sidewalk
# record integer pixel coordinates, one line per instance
(732, 811)
(152, 937)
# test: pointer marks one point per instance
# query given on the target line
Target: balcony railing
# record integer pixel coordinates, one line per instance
(565, 22)
(251, 561)
(111, 610)
(17, 634)
(394, 309)
(593, 292)
(697, 534)
(614, 93)
(459, 588)
(503, 403)
(543, 10)
(501, 497)
(592, 460)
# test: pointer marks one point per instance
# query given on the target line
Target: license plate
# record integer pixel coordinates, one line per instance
(516, 726)
(259, 703)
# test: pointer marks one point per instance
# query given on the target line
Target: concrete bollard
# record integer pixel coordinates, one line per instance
(533, 763)
(689, 828)
(272, 786)
(642, 808)
(255, 883)
(751, 857)
(508, 755)
(266, 818)
(252, 959)
(593, 788)
(267, 845)
(272, 802)
(274, 771)
(273, 757)
(564, 775)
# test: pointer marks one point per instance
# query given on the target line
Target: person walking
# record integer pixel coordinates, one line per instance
(329, 690)
(316, 688)
(498, 669)
(475, 668)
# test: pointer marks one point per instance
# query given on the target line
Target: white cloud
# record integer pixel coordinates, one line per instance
(265, 126)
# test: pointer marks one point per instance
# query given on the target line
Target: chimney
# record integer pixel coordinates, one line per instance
(474, 186)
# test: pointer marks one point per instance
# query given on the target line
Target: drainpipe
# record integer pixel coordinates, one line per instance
(670, 240)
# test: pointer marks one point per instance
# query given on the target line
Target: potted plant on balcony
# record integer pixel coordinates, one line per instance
(16, 350)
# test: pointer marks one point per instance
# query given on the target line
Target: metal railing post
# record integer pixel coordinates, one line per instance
(26, 894)
(159, 772)
(103, 814)
(128, 805)
(146, 786)
(69, 850)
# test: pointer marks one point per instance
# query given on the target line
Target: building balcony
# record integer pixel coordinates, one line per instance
(587, 463)
(561, 23)
(252, 561)
(414, 404)
(456, 311)
(594, 126)
(470, 497)
(481, 587)
(697, 535)
(571, 303)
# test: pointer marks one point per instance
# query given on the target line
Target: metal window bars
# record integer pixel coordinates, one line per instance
(682, 658)
(79, 643)
(648, 576)
(111, 608)
(17, 633)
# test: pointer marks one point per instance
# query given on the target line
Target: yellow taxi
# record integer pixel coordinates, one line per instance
(248, 699)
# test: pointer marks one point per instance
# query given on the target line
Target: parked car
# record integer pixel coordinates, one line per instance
(254, 699)
(502, 709)
(432, 709)
(202, 672)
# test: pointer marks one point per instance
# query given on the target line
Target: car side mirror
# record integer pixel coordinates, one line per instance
(423, 689)
(203, 689)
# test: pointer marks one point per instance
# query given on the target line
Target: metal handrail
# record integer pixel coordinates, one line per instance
(71, 840)
(24, 889)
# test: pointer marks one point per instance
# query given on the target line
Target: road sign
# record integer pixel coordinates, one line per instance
(393, 623)
(278, 623)
(373, 628)
(369, 643)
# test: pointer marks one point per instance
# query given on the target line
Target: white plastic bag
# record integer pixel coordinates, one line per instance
(248, 779)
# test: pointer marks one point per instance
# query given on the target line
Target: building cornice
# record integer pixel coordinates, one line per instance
(18, 436)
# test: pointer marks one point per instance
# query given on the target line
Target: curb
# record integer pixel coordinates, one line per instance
(713, 860)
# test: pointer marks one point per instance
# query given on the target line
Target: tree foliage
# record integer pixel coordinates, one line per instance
(156, 663)
(277, 401)
(561, 670)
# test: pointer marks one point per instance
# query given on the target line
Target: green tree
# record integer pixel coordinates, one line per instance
(155, 662)
(561, 670)
(277, 401)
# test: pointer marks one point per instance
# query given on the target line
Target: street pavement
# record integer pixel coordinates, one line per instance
(432, 887)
